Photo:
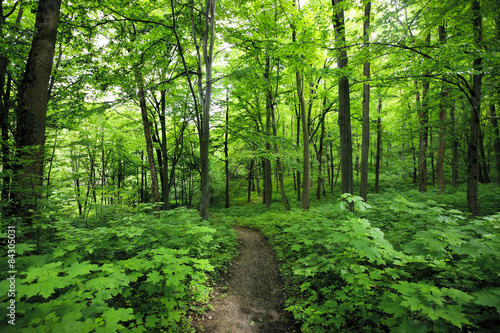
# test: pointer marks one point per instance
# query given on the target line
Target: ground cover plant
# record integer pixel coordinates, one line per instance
(139, 273)
(419, 266)
(135, 133)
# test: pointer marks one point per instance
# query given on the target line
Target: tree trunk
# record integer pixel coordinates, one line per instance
(298, 115)
(279, 166)
(4, 125)
(344, 119)
(494, 123)
(442, 126)
(268, 185)
(365, 136)
(379, 147)
(204, 97)
(32, 110)
(473, 151)
(305, 142)
(163, 147)
(147, 137)
(454, 150)
(321, 179)
(484, 164)
(5, 105)
(423, 117)
(250, 180)
(226, 156)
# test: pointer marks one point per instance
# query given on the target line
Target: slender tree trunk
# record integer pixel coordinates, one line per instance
(226, 155)
(4, 124)
(147, 136)
(365, 136)
(206, 44)
(496, 144)
(454, 151)
(298, 115)
(473, 149)
(332, 165)
(442, 125)
(305, 142)
(379, 147)
(423, 116)
(279, 166)
(163, 147)
(268, 186)
(250, 180)
(344, 119)
(32, 110)
(320, 158)
(5, 105)
(51, 161)
(484, 164)
(208, 40)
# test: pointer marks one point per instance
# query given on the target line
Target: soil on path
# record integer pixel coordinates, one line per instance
(254, 298)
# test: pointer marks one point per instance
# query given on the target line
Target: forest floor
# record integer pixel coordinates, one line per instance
(251, 299)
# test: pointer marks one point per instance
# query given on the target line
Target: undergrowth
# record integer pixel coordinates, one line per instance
(139, 273)
(399, 264)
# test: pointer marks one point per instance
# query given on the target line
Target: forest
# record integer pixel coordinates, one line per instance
(360, 137)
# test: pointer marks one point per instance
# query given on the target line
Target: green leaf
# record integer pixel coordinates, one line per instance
(81, 268)
(112, 317)
(154, 277)
(489, 297)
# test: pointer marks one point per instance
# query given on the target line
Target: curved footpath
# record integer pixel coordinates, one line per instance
(252, 299)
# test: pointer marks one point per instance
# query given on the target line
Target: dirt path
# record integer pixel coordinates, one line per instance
(254, 300)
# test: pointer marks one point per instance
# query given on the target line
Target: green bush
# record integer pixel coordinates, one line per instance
(418, 267)
(137, 274)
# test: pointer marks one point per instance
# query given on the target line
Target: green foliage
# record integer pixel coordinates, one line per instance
(137, 274)
(417, 267)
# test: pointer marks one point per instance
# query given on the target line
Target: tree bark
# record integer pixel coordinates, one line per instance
(5, 105)
(163, 147)
(484, 165)
(473, 151)
(454, 151)
(379, 147)
(268, 185)
(279, 167)
(365, 136)
(32, 110)
(423, 117)
(250, 180)
(204, 93)
(321, 179)
(344, 119)
(208, 40)
(442, 125)
(496, 144)
(305, 203)
(226, 155)
(298, 115)
(147, 137)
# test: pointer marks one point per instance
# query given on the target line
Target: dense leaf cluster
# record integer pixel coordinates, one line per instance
(417, 267)
(140, 273)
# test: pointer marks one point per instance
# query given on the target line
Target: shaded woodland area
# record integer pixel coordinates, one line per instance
(360, 137)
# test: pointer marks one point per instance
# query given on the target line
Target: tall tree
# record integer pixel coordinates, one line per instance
(344, 119)
(365, 136)
(147, 135)
(442, 125)
(423, 117)
(32, 109)
(473, 149)
(496, 144)
(204, 47)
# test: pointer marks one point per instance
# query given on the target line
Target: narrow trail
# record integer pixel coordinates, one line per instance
(254, 298)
